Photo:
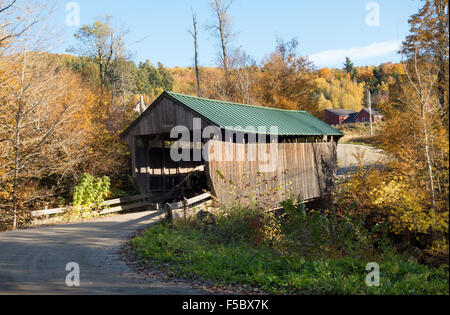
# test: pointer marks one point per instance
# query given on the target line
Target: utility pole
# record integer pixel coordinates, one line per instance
(370, 114)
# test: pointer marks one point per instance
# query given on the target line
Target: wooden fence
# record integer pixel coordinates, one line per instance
(185, 205)
(109, 206)
(138, 202)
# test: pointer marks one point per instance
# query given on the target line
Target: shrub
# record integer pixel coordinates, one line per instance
(404, 207)
(91, 192)
(292, 229)
(260, 192)
(322, 233)
(386, 198)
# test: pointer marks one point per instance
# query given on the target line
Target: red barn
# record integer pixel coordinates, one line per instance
(337, 116)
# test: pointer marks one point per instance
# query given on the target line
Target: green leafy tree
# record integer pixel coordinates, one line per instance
(151, 80)
(105, 46)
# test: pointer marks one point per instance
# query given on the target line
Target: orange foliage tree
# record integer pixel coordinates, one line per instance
(287, 80)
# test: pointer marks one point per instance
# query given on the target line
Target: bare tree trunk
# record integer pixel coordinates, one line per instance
(223, 44)
(17, 142)
(429, 165)
(424, 84)
(194, 34)
(424, 93)
(124, 103)
(16, 169)
(223, 29)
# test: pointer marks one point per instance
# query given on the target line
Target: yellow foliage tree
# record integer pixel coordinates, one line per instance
(340, 92)
(287, 83)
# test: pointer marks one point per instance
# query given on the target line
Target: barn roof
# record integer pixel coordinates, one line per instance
(237, 117)
(341, 112)
(351, 118)
(374, 112)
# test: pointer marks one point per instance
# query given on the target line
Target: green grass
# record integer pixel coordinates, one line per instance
(193, 254)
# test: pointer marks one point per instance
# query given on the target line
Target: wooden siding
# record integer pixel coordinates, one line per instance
(364, 116)
(334, 119)
(164, 115)
(158, 120)
(308, 169)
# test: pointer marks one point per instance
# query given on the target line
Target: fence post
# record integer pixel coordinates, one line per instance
(185, 207)
(169, 215)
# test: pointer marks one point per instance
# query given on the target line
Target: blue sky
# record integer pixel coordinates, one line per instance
(327, 30)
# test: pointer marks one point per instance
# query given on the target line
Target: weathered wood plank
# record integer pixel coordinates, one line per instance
(48, 212)
(176, 205)
(125, 199)
(309, 166)
(125, 207)
(198, 198)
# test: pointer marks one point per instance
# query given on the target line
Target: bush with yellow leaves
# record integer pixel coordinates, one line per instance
(404, 208)
(272, 231)
(385, 197)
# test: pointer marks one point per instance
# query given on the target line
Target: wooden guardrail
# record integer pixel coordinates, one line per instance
(109, 206)
(184, 205)
(172, 210)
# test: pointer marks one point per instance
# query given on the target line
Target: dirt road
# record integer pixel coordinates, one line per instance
(34, 261)
(347, 155)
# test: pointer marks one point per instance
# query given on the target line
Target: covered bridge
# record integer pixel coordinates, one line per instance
(299, 150)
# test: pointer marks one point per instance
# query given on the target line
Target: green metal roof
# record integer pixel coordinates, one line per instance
(239, 117)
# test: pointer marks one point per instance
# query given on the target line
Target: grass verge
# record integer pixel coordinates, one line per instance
(189, 253)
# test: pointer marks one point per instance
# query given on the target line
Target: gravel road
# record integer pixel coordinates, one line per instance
(347, 155)
(34, 261)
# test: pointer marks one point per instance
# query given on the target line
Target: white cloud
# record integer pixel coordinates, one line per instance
(337, 56)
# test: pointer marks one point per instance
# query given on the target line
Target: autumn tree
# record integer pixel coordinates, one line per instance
(41, 115)
(337, 90)
(428, 41)
(245, 77)
(416, 132)
(103, 44)
(426, 67)
(53, 123)
(287, 80)
(416, 136)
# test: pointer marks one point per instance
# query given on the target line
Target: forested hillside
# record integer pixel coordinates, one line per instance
(329, 88)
